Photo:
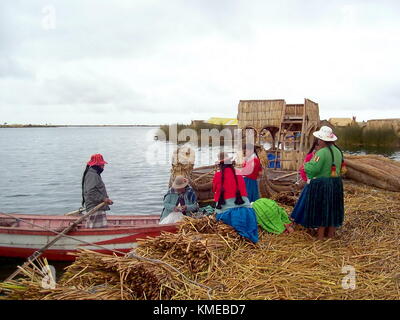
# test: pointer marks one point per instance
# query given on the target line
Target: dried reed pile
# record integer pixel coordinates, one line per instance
(99, 276)
(286, 200)
(297, 267)
(182, 163)
(282, 266)
(374, 170)
(199, 245)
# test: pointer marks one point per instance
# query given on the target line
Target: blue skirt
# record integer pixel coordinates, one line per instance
(298, 211)
(252, 189)
(243, 220)
(324, 203)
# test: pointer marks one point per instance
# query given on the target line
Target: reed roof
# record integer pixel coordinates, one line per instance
(223, 121)
(260, 114)
(341, 122)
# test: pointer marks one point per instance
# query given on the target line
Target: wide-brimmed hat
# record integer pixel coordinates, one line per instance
(96, 160)
(325, 134)
(180, 182)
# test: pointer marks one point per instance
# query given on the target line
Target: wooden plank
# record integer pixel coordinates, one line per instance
(284, 176)
(303, 127)
(280, 133)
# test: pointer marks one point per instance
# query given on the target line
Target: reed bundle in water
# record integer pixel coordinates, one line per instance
(293, 266)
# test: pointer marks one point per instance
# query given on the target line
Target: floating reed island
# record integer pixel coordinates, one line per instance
(206, 259)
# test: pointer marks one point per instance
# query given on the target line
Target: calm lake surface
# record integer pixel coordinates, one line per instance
(41, 168)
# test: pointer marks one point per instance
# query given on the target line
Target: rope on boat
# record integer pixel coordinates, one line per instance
(130, 254)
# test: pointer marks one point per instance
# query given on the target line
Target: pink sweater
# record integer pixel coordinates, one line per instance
(308, 157)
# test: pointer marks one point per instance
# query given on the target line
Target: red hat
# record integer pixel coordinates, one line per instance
(96, 160)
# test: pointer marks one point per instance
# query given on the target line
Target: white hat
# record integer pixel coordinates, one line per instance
(325, 134)
(180, 182)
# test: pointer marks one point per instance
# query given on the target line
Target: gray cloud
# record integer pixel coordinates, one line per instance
(150, 60)
(10, 68)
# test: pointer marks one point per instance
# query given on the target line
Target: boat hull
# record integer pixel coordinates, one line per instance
(121, 235)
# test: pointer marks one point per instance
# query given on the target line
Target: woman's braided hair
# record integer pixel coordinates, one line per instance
(83, 182)
(222, 167)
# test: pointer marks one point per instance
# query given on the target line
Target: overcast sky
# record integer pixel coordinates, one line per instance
(150, 62)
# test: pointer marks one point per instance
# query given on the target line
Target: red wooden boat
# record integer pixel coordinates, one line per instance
(21, 239)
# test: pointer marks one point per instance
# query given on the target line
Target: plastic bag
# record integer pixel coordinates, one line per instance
(172, 218)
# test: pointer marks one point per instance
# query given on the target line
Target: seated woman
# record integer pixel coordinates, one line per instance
(272, 217)
(251, 171)
(180, 198)
(232, 205)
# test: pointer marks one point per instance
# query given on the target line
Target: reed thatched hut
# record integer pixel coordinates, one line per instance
(290, 126)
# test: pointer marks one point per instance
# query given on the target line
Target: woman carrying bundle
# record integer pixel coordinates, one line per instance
(324, 203)
(232, 205)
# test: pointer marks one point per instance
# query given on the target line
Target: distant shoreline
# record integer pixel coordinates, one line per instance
(77, 126)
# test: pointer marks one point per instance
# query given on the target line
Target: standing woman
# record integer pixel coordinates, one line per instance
(232, 205)
(251, 171)
(298, 210)
(324, 203)
(94, 192)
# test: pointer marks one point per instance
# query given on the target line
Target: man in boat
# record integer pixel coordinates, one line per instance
(94, 192)
(180, 198)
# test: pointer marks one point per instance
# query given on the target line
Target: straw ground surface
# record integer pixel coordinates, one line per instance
(214, 262)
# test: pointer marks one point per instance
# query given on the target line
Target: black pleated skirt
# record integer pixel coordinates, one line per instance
(324, 204)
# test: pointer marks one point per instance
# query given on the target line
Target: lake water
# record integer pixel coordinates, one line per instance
(41, 168)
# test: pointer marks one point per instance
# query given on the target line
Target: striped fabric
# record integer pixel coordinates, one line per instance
(97, 220)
